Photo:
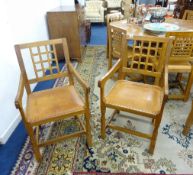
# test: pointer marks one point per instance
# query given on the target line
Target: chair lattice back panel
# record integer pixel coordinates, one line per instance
(188, 15)
(44, 59)
(182, 45)
(147, 57)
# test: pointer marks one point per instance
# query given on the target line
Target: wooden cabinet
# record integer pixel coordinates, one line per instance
(69, 22)
(181, 6)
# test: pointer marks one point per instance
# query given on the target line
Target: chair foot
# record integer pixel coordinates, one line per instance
(185, 131)
(38, 156)
(103, 125)
(151, 147)
(88, 129)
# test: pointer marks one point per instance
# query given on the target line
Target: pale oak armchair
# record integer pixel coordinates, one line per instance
(148, 57)
(180, 62)
(54, 104)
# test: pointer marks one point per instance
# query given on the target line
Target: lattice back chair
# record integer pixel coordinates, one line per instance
(188, 15)
(115, 39)
(148, 58)
(110, 18)
(179, 62)
(54, 104)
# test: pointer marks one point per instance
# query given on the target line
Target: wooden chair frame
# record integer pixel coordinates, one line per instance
(180, 56)
(121, 66)
(25, 84)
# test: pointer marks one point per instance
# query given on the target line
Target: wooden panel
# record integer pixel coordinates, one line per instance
(68, 22)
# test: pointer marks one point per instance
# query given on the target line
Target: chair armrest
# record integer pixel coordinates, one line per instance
(18, 99)
(78, 77)
(109, 74)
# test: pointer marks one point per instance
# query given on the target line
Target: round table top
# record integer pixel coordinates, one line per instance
(134, 29)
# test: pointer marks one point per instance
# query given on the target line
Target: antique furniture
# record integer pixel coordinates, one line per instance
(94, 11)
(181, 6)
(188, 15)
(69, 22)
(50, 105)
(189, 122)
(148, 58)
(112, 17)
(113, 3)
(179, 62)
(133, 29)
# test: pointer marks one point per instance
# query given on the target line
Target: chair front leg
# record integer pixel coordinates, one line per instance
(157, 122)
(188, 86)
(88, 128)
(103, 121)
(34, 142)
(189, 122)
(154, 136)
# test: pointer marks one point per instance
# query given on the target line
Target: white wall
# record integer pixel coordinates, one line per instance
(21, 21)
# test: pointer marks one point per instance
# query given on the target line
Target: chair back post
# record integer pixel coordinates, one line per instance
(22, 68)
(124, 53)
(67, 58)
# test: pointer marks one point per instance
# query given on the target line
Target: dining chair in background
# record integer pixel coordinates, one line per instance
(180, 62)
(110, 18)
(50, 105)
(146, 100)
(188, 15)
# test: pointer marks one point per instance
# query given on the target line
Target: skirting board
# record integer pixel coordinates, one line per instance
(7, 133)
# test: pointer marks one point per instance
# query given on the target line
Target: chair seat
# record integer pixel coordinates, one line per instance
(52, 103)
(179, 66)
(125, 95)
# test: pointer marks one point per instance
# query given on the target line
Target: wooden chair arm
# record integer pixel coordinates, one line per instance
(79, 78)
(109, 74)
(18, 99)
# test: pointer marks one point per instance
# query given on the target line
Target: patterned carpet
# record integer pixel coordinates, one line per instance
(119, 152)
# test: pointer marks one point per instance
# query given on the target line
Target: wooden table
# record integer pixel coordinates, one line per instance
(134, 29)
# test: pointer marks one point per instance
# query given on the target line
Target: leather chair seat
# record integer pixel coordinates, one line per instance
(125, 95)
(52, 103)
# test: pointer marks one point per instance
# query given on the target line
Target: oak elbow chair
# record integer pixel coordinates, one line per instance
(148, 57)
(54, 104)
(180, 62)
(110, 18)
(188, 15)
(189, 122)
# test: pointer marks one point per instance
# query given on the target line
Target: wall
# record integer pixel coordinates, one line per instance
(21, 21)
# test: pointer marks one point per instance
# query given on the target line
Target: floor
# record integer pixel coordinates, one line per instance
(10, 151)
